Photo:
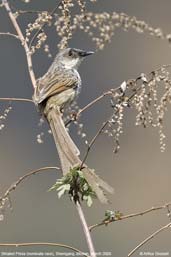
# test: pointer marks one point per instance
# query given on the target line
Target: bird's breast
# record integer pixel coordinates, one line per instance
(64, 98)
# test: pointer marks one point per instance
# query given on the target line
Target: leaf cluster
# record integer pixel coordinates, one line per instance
(74, 184)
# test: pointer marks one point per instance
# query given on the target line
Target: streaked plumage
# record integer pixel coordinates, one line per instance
(55, 82)
(61, 76)
(57, 88)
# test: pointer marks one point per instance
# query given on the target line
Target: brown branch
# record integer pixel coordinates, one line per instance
(16, 99)
(86, 230)
(15, 184)
(44, 244)
(132, 215)
(149, 238)
(23, 41)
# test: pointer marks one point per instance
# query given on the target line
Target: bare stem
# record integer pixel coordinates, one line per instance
(23, 41)
(132, 215)
(149, 238)
(21, 179)
(8, 34)
(16, 99)
(86, 230)
(45, 244)
(94, 102)
(93, 141)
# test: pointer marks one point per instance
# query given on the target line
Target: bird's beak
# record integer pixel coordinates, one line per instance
(85, 53)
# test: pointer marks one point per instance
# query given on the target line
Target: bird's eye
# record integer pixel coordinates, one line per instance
(70, 52)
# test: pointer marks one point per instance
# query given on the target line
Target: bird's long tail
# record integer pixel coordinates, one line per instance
(69, 154)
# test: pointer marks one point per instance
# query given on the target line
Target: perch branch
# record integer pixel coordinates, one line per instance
(86, 230)
(23, 41)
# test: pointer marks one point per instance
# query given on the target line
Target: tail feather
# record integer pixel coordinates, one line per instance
(100, 182)
(67, 150)
(69, 154)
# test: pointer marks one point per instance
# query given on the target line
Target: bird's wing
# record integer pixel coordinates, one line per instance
(52, 84)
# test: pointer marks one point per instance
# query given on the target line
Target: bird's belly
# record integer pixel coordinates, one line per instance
(64, 97)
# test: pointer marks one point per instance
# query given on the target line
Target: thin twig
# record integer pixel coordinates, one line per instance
(39, 30)
(92, 142)
(45, 244)
(14, 9)
(132, 215)
(110, 92)
(15, 184)
(8, 34)
(16, 99)
(93, 102)
(86, 230)
(149, 238)
(28, 11)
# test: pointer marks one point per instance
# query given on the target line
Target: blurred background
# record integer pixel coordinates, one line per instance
(140, 173)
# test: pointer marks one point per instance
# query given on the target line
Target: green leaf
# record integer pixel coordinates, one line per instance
(67, 187)
(61, 192)
(80, 173)
(89, 201)
(75, 184)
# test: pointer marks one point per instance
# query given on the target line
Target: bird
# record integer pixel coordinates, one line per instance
(56, 90)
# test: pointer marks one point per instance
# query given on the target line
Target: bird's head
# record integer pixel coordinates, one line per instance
(72, 57)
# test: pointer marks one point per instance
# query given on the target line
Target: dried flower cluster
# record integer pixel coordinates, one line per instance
(40, 138)
(101, 26)
(70, 114)
(5, 203)
(64, 21)
(44, 18)
(65, 30)
(4, 116)
(117, 130)
(149, 95)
